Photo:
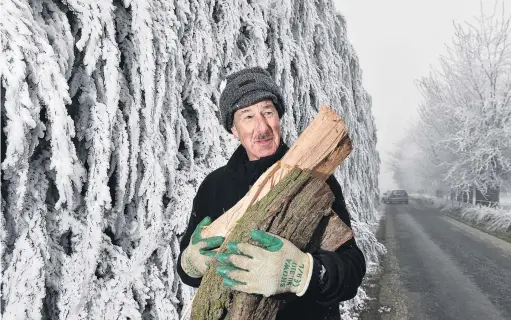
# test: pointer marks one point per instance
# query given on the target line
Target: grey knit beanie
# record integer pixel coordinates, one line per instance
(247, 87)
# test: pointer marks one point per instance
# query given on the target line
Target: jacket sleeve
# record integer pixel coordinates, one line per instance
(195, 217)
(344, 268)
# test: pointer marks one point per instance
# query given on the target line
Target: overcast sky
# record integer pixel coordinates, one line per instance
(397, 41)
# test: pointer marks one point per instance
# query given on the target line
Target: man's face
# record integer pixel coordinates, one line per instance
(258, 128)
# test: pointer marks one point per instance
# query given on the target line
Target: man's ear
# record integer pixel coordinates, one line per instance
(234, 131)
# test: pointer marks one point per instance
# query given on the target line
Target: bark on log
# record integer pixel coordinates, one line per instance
(334, 233)
(286, 211)
(322, 146)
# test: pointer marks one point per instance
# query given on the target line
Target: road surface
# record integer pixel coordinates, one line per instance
(438, 268)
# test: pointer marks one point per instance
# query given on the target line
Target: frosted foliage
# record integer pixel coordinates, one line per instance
(110, 122)
(23, 289)
(463, 133)
(490, 219)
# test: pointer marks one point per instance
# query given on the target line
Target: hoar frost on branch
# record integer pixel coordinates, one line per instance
(109, 124)
(464, 126)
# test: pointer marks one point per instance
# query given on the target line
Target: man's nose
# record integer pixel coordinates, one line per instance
(262, 124)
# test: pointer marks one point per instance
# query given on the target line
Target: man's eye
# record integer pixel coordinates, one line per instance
(268, 113)
(248, 117)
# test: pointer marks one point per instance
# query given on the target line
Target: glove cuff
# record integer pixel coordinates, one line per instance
(308, 276)
(188, 267)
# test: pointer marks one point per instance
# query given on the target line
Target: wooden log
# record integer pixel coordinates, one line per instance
(335, 233)
(286, 211)
(322, 146)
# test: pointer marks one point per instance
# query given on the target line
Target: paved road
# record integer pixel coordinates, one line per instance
(439, 268)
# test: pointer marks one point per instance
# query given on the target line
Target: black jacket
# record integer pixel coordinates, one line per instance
(345, 267)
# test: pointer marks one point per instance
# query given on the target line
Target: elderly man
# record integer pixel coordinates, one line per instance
(251, 106)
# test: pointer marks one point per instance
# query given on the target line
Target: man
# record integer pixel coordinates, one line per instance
(251, 106)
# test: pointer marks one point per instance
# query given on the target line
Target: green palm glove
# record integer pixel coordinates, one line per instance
(196, 257)
(277, 266)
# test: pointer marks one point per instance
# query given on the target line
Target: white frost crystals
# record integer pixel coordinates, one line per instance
(462, 138)
(109, 118)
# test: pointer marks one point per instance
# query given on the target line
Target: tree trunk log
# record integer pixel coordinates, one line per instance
(322, 146)
(335, 233)
(287, 210)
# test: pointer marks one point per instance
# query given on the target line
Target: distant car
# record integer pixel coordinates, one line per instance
(397, 196)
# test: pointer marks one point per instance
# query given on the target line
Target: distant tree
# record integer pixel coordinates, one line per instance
(408, 167)
(464, 131)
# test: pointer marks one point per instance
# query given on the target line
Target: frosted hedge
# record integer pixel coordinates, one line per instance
(110, 123)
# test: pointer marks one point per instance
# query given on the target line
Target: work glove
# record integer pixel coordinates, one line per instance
(274, 266)
(199, 253)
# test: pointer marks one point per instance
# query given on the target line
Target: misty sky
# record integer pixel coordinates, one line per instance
(397, 41)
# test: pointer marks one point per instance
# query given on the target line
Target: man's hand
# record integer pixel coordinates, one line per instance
(277, 266)
(199, 253)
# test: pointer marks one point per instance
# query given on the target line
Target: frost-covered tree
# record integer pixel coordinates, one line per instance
(110, 123)
(464, 127)
(402, 162)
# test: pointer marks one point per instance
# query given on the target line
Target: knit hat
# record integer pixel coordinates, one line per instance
(247, 87)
